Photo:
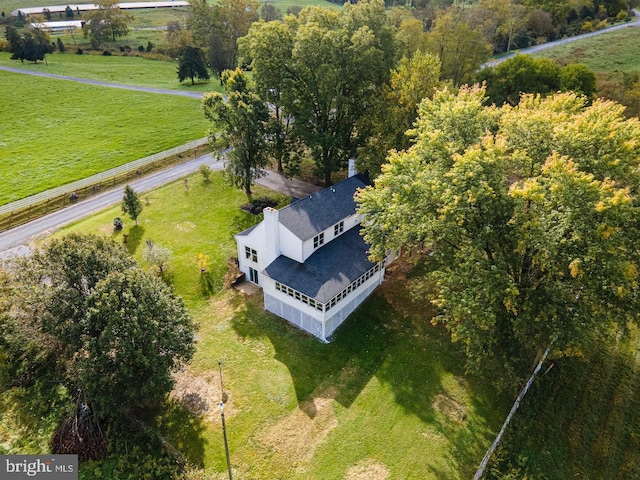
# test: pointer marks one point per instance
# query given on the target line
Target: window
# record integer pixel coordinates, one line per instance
(251, 254)
(338, 228)
(318, 240)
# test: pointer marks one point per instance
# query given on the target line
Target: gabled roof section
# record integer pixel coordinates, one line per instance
(328, 271)
(313, 214)
(246, 232)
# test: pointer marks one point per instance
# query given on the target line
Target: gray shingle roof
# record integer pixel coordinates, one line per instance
(328, 271)
(246, 232)
(311, 215)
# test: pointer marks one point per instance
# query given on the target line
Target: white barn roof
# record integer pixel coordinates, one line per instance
(84, 7)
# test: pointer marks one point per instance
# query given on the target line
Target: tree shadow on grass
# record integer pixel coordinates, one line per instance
(183, 430)
(581, 419)
(209, 284)
(133, 238)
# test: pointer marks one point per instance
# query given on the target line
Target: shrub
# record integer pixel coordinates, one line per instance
(140, 48)
(257, 205)
(118, 224)
(205, 171)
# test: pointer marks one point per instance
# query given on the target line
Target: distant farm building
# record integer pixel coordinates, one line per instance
(55, 27)
(85, 7)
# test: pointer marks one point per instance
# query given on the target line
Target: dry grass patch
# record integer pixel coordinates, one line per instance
(369, 469)
(201, 395)
(297, 436)
(449, 407)
(185, 226)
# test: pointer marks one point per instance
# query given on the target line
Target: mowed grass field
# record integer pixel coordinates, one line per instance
(610, 53)
(56, 131)
(386, 399)
(136, 71)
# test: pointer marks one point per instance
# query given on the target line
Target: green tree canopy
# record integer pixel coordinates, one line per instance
(396, 109)
(106, 23)
(131, 204)
(32, 46)
(240, 122)
(460, 46)
(326, 67)
(530, 218)
(216, 29)
(192, 64)
(112, 334)
(525, 74)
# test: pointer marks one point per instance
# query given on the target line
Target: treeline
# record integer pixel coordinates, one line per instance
(344, 84)
(509, 24)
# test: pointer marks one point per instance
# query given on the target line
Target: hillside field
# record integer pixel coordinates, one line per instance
(387, 398)
(608, 54)
(137, 71)
(59, 131)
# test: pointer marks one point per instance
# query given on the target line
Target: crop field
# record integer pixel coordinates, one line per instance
(386, 399)
(57, 131)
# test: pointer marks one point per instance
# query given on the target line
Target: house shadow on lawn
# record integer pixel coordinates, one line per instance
(344, 366)
(388, 337)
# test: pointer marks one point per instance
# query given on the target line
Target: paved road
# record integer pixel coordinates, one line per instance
(13, 240)
(103, 84)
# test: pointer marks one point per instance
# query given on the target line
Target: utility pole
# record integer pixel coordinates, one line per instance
(224, 426)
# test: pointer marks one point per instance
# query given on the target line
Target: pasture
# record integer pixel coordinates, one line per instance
(133, 70)
(386, 399)
(58, 131)
(609, 54)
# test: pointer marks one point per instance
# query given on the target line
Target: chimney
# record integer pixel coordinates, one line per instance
(271, 235)
(352, 167)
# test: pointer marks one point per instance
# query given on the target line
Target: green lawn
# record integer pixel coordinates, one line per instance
(59, 131)
(609, 53)
(386, 399)
(137, 71)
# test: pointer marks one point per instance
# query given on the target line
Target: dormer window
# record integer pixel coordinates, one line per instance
(318, 240)
(338, 228)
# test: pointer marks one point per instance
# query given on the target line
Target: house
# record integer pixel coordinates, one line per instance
(310, 259)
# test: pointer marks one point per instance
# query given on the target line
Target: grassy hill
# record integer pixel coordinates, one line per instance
(60, 131)
(386, 399)
(610, 56)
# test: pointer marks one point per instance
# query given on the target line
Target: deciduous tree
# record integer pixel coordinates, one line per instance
(531, 226)
(525, 74)
(106, 23)
(330, 66)
(116, 333)
(413, 80)
(33, 46)
(460, 47)
(239, 122)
